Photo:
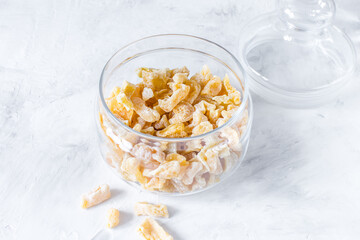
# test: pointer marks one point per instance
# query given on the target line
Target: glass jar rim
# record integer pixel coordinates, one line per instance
(245, 101)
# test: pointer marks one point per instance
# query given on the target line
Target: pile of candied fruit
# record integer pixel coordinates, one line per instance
(167, 103)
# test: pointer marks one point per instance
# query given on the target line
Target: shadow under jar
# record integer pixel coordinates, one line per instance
(219, 152)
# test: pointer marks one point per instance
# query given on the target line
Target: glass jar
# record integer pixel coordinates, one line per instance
(220, 151)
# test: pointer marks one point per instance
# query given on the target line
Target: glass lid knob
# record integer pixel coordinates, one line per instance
(306, 14)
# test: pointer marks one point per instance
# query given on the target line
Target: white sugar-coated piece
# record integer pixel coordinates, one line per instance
(147, 209)
(151, 230)
(113, 217)
(96, 196)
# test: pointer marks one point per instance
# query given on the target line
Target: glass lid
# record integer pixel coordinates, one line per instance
(295, 56)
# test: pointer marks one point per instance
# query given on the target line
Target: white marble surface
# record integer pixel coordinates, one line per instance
(300, 179)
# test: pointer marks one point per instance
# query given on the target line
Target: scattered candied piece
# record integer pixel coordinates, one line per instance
(147, 209)
(151, 230)
(113, 217)
(96, 196)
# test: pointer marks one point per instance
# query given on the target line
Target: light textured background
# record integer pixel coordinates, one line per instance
(301, 177)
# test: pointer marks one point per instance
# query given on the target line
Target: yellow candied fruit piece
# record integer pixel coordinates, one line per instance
(162, 123)
(128, 89)
(125, 101)
(180, 70)
(183, 112)
(140, 177)
(207, 76)
(148, 130)
(213, 161)
(129, 168)
(167, 170)
(115, 92)
(213, 87)
(204, 106)
(137, 127)
(119, 110)
(147, 209)
(232, 92)
(198, 117)
(223, 99)
(96, 196)
(180, 78)
(178, 95)
(154, 78)
(202, 128)
(194, 168)
(113, 217)
(147, 93)
(155, 183)
(195, 89)
(146, 113)
(173, 131)
(175, 157)
(151, 230)
(161, 94)
(214, 115)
